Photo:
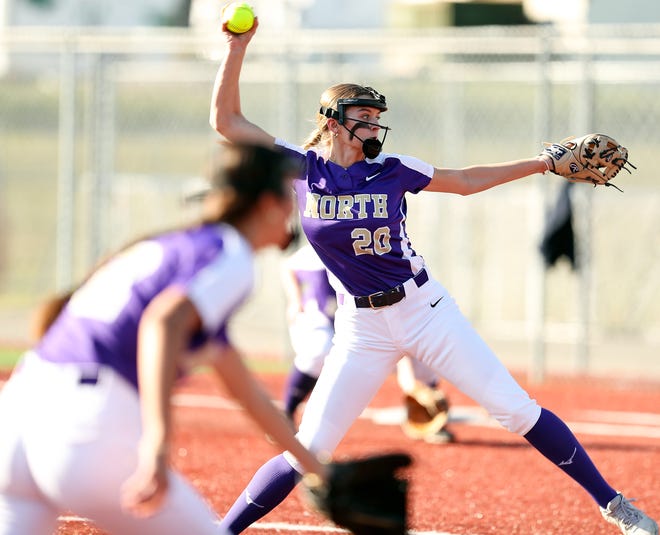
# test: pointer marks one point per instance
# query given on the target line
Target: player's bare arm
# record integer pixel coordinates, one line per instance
(469, 180)
(244, 388)
(226, 116)
(167, 323)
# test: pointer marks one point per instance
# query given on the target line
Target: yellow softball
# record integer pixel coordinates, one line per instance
(238, 16)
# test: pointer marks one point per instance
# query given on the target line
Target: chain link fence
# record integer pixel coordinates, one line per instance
(103, 133)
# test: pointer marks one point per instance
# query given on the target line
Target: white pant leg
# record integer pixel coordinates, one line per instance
(23, 509)
(441, 337)
(81, 445)
(311, 339)
(184, 511)
(22, 515)
(361, 359)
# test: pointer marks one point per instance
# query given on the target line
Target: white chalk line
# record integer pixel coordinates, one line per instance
(598, 423)
(279, 526)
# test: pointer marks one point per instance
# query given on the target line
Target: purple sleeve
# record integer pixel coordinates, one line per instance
(418, 173)
(292, 151)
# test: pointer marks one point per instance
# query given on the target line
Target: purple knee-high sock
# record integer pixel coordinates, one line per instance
(298, 386)
(556, 442)
(269, 486)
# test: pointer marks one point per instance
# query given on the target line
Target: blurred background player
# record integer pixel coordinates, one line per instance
(311, 306)
(425, 403)
(85, 416)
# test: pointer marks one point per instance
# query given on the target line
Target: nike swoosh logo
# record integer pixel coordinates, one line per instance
(372, 176)
(250, 501)
(433, 304)
(569, 461)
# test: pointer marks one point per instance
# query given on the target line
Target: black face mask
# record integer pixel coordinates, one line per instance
(371, 147)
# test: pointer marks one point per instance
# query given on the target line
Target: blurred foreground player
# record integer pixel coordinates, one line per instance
(85, 417)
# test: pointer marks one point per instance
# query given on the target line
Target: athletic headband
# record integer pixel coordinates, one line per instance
(377, 101)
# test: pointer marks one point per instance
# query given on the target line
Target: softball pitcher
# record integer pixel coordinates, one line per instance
(352, 205)
(85, 417)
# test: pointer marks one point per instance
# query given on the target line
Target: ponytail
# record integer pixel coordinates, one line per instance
(314, 139)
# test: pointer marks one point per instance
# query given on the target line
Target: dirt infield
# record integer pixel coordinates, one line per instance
(488, 482)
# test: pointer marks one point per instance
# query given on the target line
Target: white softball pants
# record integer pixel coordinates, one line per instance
(67, 446)
(311, 339)
(369, 342)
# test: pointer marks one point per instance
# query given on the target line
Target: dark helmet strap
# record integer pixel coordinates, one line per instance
(378, 102)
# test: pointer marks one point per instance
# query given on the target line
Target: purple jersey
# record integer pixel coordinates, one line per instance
(212, 264)
(315, 290)
(355, 218)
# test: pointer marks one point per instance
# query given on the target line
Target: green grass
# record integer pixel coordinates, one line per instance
(8, 357)
(271, 366)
